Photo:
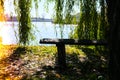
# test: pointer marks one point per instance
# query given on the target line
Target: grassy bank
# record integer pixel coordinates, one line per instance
(38, 63)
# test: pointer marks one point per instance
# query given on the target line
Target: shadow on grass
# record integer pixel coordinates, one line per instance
(96, 63)
(17, 52)
(11, 65)
(92, 67)
(72, 72)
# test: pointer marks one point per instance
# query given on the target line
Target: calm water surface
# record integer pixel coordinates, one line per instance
(9, 32)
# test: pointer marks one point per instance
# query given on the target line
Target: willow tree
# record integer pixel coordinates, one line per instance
(92, 21)
(86, 27)
(63, 10)
(59, 14)
(90, 26)
(103, 27)
(23, 9)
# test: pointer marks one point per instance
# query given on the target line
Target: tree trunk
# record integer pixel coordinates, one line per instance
(114, 38)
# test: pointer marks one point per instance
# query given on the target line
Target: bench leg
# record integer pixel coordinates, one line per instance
(61, 56)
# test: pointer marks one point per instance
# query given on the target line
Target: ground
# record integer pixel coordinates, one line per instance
(39, 63)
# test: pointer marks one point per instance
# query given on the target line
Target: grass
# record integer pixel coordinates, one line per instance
(38, 63)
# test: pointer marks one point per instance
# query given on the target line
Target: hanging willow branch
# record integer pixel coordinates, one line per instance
(63, 15)
(88, 22)
(24, 21)
(68, 10)
(23, 9)
(103, 20)
(59, 11)
(59, 15)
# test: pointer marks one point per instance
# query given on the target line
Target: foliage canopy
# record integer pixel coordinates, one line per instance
(91, 19)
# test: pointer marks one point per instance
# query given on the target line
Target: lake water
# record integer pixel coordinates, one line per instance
(9, 32)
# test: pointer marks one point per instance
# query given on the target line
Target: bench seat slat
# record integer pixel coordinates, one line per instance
(73, 41)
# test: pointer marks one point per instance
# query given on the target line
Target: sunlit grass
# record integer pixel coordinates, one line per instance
(6, 50)
(71, 50)
(52, 50)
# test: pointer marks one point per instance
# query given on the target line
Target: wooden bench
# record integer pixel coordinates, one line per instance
(60, 43)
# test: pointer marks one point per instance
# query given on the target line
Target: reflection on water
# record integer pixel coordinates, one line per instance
(9, 32)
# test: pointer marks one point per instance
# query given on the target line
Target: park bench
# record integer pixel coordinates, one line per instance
(60, 44)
